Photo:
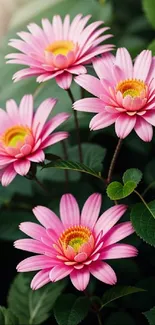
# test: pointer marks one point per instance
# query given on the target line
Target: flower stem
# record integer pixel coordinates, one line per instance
(38, 89)
(41, 185)
(66, 158)
(76, 126)
(113, 161)
(99, 318)
(148, 188)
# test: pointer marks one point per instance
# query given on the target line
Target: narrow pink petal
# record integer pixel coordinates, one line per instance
(48, 219)
(54, 138)
(40, 279)
(37, 156)
(143, 129)
(26, 110)
(22, 166)
(64, 80)
(80, 278)
(118, 233)
(78, 69)
(32, 229)
(74, 26)
(94, 52)
(69, 211)
(119, 251)
(51, 125)
(142, 65)
(90, 83)
(124, 125)
(149, 116)
(102, 120)
(91, 210)
(109, 218)
(124, 61)
(25, 73)
(92, 105)
(57, 27)
(8, 175)
(31, 245)
(12, 110)
(66, 27)
(104, 65)
(59, 272)
(103, 272)
(48, 30)
(42, 114)
(35, 263)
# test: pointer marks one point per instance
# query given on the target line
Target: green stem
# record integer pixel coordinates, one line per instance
(38, 89)
(41, 185)
(144, 202)
(148, 188)
(113, 161)
(76, 126)
(99, 318)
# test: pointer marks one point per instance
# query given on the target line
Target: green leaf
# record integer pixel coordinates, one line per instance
(70, 310)
(150, 315)
(152, 47)
(117, 191)
(33, 307)
(148, 6)
(118, 292)
(70, 165)
(132, 174)
(120, 318)
(143, 221)
(7, 317)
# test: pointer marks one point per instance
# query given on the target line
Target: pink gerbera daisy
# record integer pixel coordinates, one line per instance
(59, 49)
(125, 91)
(77, 245)
(24, 135)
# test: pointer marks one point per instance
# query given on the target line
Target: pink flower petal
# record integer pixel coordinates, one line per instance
(25, 149)
(118, 233)
(31, 245)
(124, 125)
(60, 61)
(57, 27)
(60, 272)
(104, 65)
(51, 125)
(54, 138)
(37, 156)
(103, 272)
(124, 61)
(42, 114)
(80, 257)
(8, 175)
(80, 278)
(91, 210)
(143, 129)
(12, 110)
(26, 110)
(142, 65)
(119, 251)
(40, 279)
(92, 105)
(109, 218)
(64, 80)
(69, 211)
(149, 116)
(90, 83)
(35, 263)
(77, 69)
(22, 167)
(32, 229)
(25, 73)
(48, 219)
(102, 120)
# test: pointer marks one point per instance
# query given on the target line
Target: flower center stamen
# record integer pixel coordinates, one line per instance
(13, 135)
(132, 87)
(60, 47)
(75, 237)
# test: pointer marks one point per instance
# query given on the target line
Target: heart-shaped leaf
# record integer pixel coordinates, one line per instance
(132, 174)
(117, 191)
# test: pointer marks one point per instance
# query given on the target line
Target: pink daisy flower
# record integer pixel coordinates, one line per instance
(24, 135)
(58, 49)
(125, 93)
(77, 245)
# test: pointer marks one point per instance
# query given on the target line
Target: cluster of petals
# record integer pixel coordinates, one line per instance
(77, 244)
(59, 49)
(125, 93)
(24, 135)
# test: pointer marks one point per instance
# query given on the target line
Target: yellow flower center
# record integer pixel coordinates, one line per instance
(15, 134)
(132, 87)
(75, 237)
(60, 47)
